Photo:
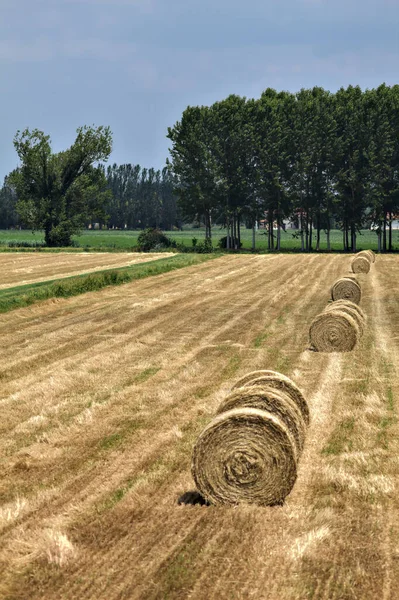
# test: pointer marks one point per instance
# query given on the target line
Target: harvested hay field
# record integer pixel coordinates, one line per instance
(32, 267)
(104, 395)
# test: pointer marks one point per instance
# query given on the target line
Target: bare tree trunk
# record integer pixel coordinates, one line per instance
(238, 232)
(302, 238)
(328, 234)
(310, 233)
(278, 235)
(228, 235)
(346, 237)
(390, 232)
(379, 238)
(318, 233)
(353, 237)
(270, 232)
(384, 234)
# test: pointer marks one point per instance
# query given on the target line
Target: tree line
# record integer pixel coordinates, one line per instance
(318, 158)
(141, 198)
(119, 196)
(323, 160)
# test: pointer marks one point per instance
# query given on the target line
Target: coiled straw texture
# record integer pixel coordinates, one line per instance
(367, 254)
(346, 288)
(334, 331)
(275, 402)
(279, 382)
(245, 455)
(360, 264)
(351, 309)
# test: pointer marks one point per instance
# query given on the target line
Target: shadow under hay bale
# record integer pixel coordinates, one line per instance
(334, 331)
(346, 288)
(279, 382)
(192, 497)
(360, 264)
(245, 456)
(274, 401)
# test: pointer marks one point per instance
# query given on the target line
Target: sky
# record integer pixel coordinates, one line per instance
(135, 65)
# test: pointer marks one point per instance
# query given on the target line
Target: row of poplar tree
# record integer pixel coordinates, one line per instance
(137, 198)
(318, 158)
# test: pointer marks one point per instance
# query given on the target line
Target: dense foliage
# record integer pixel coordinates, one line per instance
(320, 159)
(151, 239)
(59, 192)
(141, 198)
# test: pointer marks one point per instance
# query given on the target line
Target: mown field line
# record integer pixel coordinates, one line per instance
(21, 296)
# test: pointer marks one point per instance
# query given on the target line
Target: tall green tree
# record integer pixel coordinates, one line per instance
(351, 163)
(193, 165)
(232, 147)
(382, 110)
(8, 201)
(315, 131)
(274, 158)
(60, 192)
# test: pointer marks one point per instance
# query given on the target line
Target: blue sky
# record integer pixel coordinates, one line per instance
(137, 64)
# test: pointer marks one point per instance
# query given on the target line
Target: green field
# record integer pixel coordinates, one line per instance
(127, 240)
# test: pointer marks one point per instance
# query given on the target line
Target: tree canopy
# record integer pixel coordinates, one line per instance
(58, 191)
(315, 157)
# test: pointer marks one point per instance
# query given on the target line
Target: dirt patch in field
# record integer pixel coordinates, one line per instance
(104, 395)
(24, 268)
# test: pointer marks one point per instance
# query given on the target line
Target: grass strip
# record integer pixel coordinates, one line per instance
(25, 295)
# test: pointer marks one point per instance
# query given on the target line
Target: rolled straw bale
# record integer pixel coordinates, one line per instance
(352, 305)
(350, 308)
(273, 401)
(334, 331)
(366, 254)
(360, 264)
(245, 456)
(372, 254)
(279, 382)
(346, 288)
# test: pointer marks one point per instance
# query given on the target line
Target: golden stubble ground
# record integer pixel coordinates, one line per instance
(32, 267)
(103, 396)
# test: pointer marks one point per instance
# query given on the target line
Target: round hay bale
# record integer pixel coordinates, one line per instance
(245, 456)
(346, 288)
(278, 382)
(274, 401)
(372, 255)
(360, 264)
(366, 254)
(333, 331)
(350, 304)
(350, 308)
